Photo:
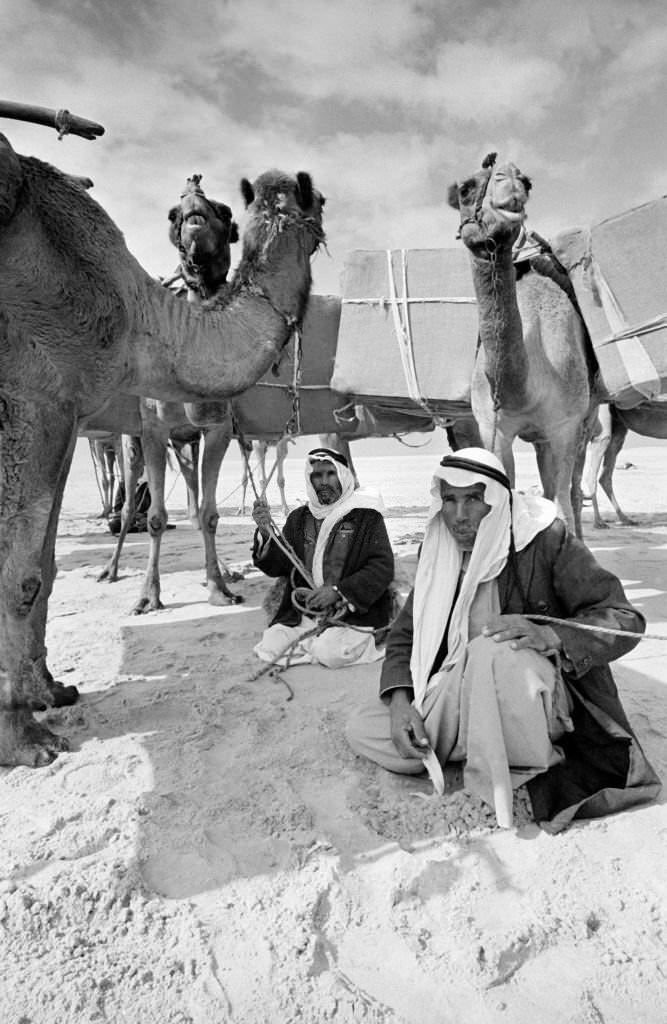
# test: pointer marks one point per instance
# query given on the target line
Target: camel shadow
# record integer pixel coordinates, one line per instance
(244, 776)
(182, 548)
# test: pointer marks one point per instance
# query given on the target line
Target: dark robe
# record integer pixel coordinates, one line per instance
(358, 559)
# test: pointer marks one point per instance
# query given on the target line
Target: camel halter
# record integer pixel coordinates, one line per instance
(486, 197)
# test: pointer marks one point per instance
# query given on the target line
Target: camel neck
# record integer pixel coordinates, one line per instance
(178, 352)
(500, 327)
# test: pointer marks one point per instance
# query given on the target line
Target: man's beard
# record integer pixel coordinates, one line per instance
(328, 495)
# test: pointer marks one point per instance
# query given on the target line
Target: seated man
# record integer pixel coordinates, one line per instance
(341, 539)
(469, 677)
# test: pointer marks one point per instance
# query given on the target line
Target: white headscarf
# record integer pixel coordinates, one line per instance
(351, 497)
(345, 478)
(440, 559)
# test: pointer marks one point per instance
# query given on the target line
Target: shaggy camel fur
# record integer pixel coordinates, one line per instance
(80, 321)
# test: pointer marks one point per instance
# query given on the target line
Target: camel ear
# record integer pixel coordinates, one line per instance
(233, 233)
(11, 179)
(527, 183)
(173, 213)
(223, 211)
(80, 181)
(453, 196)
(304, 191)
(489, 160)
(247, 191)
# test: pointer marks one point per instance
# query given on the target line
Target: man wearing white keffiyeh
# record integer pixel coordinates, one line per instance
(341, 539)
(469, 677)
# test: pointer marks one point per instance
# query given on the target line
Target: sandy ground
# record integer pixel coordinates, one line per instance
(211, 851)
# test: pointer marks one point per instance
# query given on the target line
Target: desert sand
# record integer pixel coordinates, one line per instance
(211, 851)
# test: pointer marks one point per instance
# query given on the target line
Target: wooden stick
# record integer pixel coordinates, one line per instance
(64, 122)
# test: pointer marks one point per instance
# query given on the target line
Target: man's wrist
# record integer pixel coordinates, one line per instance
(400, 695)
(341, 595)
(552, 638)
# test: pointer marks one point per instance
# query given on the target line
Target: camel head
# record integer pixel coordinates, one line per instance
(203, 231)
(276, 201)
(492, 205)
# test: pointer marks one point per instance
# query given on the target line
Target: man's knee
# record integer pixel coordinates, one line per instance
(484, 648)
(274, 641)
(335, 648)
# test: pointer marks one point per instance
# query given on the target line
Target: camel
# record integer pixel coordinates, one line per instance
(81, 321)
(203, 231)
(532, 374)
(648, 419)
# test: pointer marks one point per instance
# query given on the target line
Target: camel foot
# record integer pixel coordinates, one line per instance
(600, 524)
(220, 597)
(63, 696)
(147, 604)
(626, 521)
(108, 576)
(51, 694)
(232, 576)
(23, 741)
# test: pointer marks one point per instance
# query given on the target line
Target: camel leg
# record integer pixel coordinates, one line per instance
(216, 443)
(132, 462)
(281, 455)
(618, 435)
(596, 452)
(559, 460)
(545, 469)
(597, 446)
(36, 447)
(246, 455)
(495, 441)
(98, 454)
(262, 449)
(108, 480)
(155, 454)
(342, 445)
(188, 460)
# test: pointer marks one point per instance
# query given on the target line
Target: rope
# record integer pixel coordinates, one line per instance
(411, 300)
(293, 425)
(573, 624)
(403, 331)
(275, 668)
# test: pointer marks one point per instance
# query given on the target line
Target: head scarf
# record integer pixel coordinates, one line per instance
(345, 477)
(440, 558)
(351, 498)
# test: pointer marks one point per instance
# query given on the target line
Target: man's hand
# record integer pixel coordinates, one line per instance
(407, 726)
(322, 598)
(261, 513)
(522, 633)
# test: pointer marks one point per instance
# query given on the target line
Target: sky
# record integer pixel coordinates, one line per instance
(384, 102)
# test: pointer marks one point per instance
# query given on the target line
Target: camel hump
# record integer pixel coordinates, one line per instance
(11, 178)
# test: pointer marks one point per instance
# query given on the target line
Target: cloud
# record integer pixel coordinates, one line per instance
(385, 104)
